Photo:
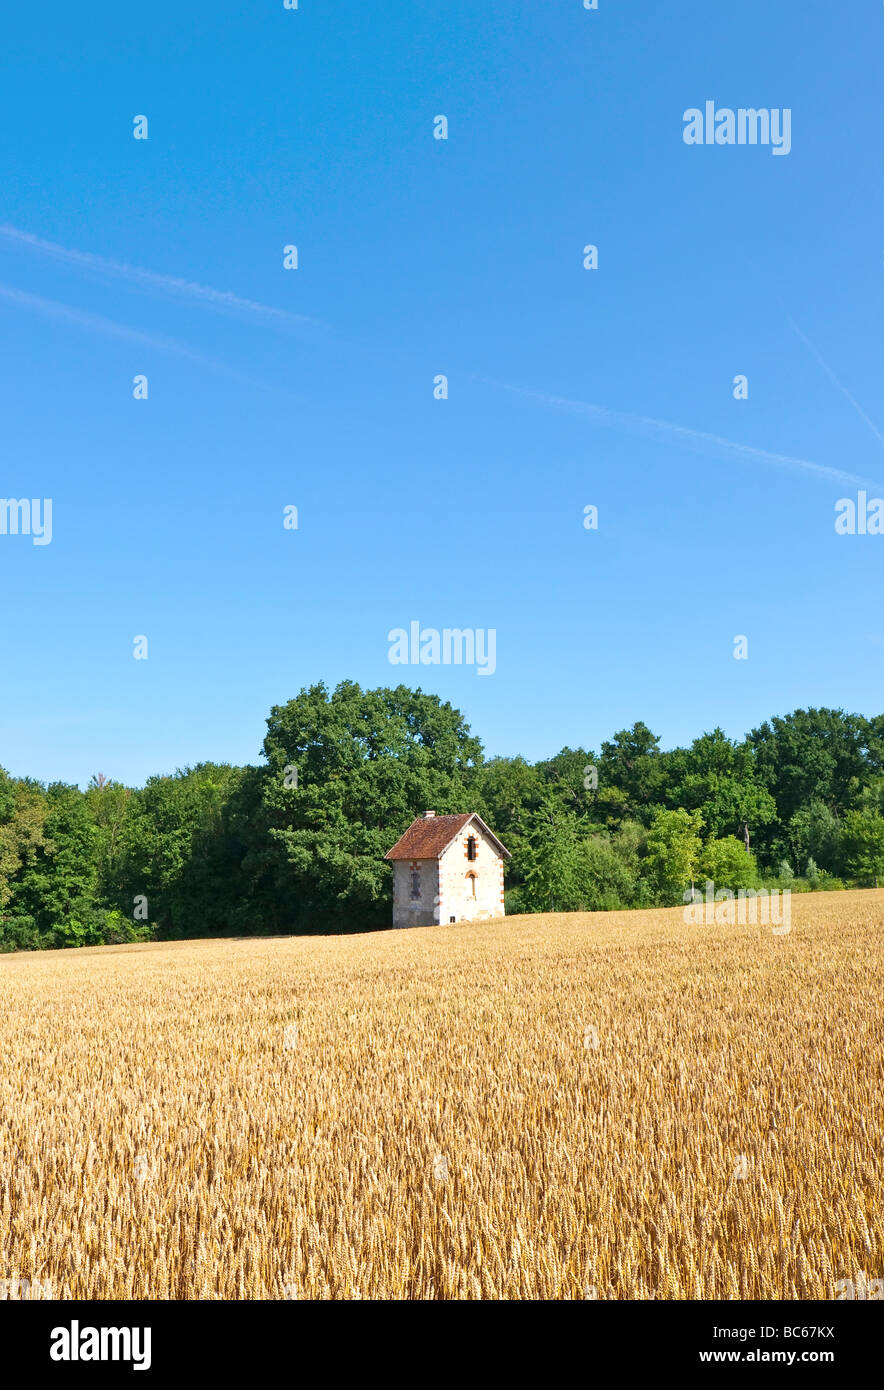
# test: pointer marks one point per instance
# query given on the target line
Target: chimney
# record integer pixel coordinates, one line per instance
(428, 815)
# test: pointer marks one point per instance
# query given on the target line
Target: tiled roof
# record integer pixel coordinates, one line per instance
(428, 836)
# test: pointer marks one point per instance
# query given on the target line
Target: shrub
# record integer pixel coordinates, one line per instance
(21, 934)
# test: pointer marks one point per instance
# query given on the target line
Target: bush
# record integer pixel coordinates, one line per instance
(120, 930)
(21, 934)
(606, 881)
(514, 901)
(100, 926)
(825, 883)
(728, 865)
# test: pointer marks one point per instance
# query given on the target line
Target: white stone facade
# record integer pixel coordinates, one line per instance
(471, 888)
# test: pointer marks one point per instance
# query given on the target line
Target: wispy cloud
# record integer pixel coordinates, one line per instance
(150, 280)
(96, 323)
(832, 377)
(697, 440)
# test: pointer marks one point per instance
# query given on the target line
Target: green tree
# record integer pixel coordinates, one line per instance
(607, 877)
(673, 854)
(172, 849)
(109, 805)
(814, 754)
(864, 847)
(58, 887)
(568, 870)
(814, 832)
(507, 793)
(23, 809)
(727, 864)
(717, 777)
(565, 778)
(631, 763)
(366, 763)
(872, 798)
(552, 877)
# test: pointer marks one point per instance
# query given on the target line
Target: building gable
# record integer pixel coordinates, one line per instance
(429, 836)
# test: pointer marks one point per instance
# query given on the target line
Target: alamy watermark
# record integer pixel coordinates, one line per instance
(17, 1289)
(864, 517)
(748, 906)
(861, 1287)
(22, 518)
(745, 126)
(453, 646)
(76, 1343)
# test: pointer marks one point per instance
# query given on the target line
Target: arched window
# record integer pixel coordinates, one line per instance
(472, 847)
(471, 880)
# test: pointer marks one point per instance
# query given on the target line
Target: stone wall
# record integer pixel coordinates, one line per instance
(457, 898)
(415, 912)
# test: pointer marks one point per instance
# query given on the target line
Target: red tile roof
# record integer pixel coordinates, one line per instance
(428, 836)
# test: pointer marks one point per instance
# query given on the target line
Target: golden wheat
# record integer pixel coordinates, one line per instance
(591, 1105)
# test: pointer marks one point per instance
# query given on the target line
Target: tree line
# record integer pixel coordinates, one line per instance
(296, 844)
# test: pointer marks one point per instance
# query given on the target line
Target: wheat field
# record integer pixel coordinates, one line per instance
(608, 1105)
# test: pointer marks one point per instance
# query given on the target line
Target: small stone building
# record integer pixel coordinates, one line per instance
(446, 869)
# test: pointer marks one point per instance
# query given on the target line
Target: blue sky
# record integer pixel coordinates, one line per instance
(417, 257)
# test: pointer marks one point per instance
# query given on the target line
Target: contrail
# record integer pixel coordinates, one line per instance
(224, 300)
(95, 323)
(832, 377)
(695, 439)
